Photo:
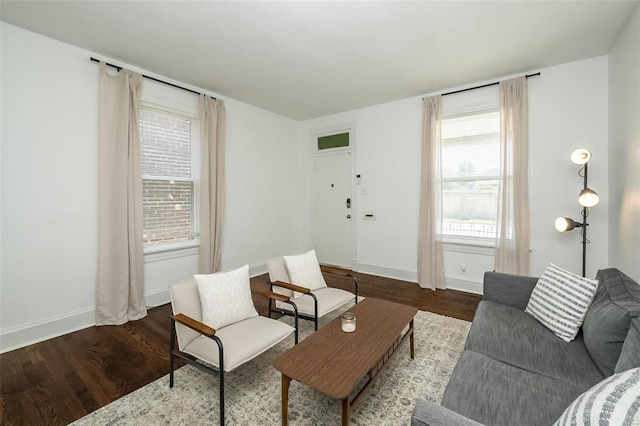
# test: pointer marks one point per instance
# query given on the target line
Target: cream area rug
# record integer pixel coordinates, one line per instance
(253, 390)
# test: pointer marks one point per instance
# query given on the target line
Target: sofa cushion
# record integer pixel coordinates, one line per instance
(560, 301)
(242, 341)
(508, 289)
(614, 401)
(494, 393)
(606, 324)
(329, 298)
(427, 413)
(630, 355)
(511, 336)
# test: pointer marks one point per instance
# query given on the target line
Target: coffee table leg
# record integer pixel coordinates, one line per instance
(411, 344)
(346, 411)
(285, 399)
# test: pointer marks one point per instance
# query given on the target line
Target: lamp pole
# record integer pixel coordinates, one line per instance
(583, 231)
(584, 241)
(587, 198)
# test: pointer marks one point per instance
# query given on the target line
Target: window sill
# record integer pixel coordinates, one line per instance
(482, 246)
(160, 252)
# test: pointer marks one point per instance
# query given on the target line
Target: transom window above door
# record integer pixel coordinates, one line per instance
(338, 140)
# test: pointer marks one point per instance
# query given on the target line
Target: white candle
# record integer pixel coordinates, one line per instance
(348, 322)
(348, 328)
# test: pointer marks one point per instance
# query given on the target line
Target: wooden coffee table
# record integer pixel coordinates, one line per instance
(334, 362)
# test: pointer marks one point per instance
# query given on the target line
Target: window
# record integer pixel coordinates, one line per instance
(339, 140)
(470, 175)
(168, 142)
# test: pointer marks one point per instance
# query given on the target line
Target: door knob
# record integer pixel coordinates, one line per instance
(348, 216)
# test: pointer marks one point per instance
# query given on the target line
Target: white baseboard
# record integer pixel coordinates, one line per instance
(465, 285)
(25, 335)
(157, 298)
(28, 334)
(162, 297)
(383, 271)
(256, 270)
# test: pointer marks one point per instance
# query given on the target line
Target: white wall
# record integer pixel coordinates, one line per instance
(624, 149)
(49, 179)
(49, 191)
(263, 187)
(387, 157)
(568, 109)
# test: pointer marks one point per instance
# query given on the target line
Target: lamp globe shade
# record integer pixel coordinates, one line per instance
(588, 198)
(564, 224)
(580, 156)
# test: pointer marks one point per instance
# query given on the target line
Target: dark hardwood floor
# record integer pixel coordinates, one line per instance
(62, 379)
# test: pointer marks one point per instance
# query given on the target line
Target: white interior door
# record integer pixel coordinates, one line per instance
(332, 215)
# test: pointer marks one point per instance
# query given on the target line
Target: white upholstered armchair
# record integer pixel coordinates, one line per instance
(300, 278)
(224, 332)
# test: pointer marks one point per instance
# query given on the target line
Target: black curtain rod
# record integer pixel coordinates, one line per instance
(150, 78)
(484, 85)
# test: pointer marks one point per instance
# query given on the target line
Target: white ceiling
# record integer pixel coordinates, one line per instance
(310, 59)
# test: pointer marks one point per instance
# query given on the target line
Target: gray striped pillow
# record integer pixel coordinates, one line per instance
(613, 401)
(560, 301)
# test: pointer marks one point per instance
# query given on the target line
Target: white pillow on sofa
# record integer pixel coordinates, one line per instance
(613, 401)
(560, 301)
(304, 270)
(225, 297)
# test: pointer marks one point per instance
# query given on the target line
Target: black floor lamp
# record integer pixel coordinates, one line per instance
(587, 198)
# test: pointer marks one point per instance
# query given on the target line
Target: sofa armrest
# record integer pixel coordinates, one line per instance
(507, 289)
(428, 413)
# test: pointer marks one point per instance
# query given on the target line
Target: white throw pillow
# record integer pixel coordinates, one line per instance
(304, 270)
(225, 297)
(560, 301)
(613, 401)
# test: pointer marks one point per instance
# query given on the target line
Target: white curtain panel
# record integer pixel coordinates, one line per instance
(212, 136)
(119, 287)
(512, 239)
(430, 259)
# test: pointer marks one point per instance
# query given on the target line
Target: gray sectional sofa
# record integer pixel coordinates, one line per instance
(514, 371)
